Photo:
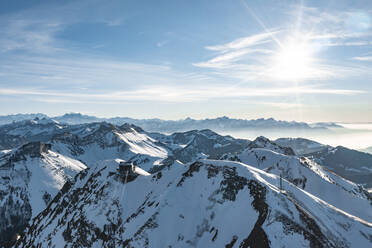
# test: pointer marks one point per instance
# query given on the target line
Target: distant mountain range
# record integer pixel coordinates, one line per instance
(169, 126)
(6, 119)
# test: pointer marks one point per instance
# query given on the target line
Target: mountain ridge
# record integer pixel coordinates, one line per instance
(157, 216)
(169, 126)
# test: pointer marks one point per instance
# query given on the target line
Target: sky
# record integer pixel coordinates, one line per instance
(291, 60)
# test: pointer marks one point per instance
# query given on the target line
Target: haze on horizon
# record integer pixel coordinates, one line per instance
(292, 60)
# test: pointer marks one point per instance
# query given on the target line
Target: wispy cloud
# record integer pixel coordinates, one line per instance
(168, 94)
(28, 35)
(337, 27)
(35, 30)
(224, 60)
(113, 22)
(244, 42)
(236, 50)
(258, 63)
(80, 71)
(363, 58)
(253, 57)
(282, 105)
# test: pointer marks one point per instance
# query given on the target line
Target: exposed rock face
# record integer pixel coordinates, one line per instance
(15, 208)
(15, 213)
(35, 149)
(258, 237)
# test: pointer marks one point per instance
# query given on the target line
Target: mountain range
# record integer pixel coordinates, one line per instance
(107, 185)
(169, 126)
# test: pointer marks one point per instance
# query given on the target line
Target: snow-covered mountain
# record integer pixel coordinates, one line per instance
(97, 141)
(30, 178)
(350, 164)
(263, 142)
(301, 146)
(118, 185)
(208, 203)
(18, 133)
(77, 118)
(6, 119)
(191, 145)
(307, 175)
(100, 141)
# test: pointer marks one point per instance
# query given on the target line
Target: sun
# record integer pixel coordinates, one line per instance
(293, 60)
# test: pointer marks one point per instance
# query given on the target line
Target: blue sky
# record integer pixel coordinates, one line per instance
(292, 60)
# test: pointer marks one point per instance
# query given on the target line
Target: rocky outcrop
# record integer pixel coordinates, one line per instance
(35, 149)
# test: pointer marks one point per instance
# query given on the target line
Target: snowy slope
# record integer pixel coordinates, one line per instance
(30, 177)
(19, 133)
(101, 141)
(207, 203)
(311, 177)
(191, 145)
(350, 164)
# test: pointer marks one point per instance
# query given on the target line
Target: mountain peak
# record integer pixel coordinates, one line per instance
(72, 115)
(223, 118)
(263, 142)
(208, 132)
(129, 127)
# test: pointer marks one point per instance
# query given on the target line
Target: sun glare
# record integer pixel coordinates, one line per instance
(293, 61)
